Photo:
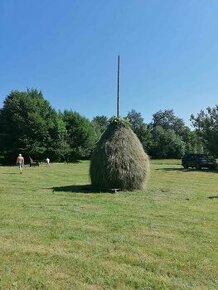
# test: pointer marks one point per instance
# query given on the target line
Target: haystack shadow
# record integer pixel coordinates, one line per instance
(85, 188)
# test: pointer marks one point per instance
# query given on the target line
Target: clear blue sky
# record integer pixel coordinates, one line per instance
(68, 49)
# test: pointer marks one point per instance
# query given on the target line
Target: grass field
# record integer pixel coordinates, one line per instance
(57, 234)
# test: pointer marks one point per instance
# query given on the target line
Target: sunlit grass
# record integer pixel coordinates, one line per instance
(57, 234)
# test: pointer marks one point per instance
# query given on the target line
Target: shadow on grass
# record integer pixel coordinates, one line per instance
(171, 169)
(9, 173)
(188, 170)
(212, 197)
(86, 188)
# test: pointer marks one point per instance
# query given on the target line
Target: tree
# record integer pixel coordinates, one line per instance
(167, 120)
(100, 124)
(206, 124)
(140, 129)
(29, 125)
(81, 135)
(193, 143)
(166, 143)
(57, 145)
(173, 131)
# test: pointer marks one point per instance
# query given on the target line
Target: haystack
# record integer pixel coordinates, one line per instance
(119, 160)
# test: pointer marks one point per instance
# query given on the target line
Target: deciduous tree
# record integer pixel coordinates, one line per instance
(100, 124)
(27, 126)
(81, 135)
(206, 124)
(140, 129)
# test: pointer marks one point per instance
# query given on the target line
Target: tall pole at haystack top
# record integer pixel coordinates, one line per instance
(118, 88)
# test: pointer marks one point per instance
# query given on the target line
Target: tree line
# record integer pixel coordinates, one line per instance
(29, 125)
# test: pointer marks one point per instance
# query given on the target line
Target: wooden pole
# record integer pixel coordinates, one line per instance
(118, 88)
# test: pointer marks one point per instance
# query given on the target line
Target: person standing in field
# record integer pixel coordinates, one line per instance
(47, 161)
(20, 163)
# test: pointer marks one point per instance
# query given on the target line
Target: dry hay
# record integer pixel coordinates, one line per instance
(119, 160)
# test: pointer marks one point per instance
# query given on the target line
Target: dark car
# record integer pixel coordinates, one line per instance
(198, 161)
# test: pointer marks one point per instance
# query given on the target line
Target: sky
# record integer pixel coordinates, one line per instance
(68, 49)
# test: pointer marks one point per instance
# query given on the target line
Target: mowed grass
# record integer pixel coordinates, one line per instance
(57, 234)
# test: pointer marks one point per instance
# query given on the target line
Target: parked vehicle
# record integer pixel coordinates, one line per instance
(198, 161)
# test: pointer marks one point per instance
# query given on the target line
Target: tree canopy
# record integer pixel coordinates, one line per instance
(100, 124)
(206, 124)
(140, 129)
(81, 135)
(29, 125)
(26, 124)
(166, 136)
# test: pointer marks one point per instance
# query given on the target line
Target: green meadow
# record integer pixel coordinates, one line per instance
(57, 233)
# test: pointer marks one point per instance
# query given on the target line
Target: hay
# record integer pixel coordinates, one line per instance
(119, 160)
